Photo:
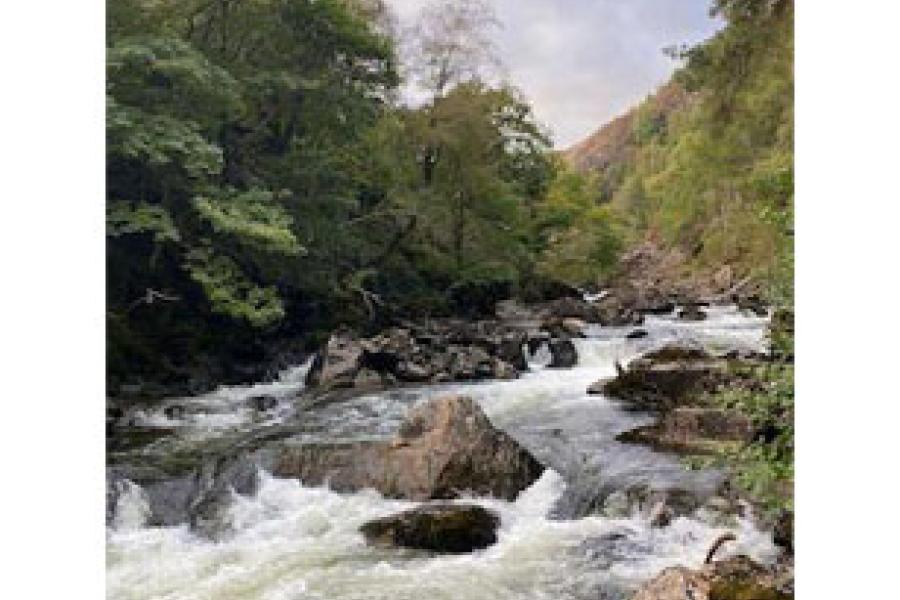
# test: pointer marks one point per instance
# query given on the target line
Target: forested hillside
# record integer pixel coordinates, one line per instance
(705, 166)
(266, 184)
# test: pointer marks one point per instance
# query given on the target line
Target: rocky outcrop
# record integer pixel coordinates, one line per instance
(426, 352)
(667, 378)
(737, 578)
(445, 448)
(446, 528)
(693, 430)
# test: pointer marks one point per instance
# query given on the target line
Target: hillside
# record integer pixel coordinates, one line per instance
(704, 167)
(615, 142)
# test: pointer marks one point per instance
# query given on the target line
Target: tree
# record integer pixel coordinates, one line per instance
(451, 44)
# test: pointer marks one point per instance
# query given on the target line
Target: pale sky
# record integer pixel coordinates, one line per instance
(583, 62)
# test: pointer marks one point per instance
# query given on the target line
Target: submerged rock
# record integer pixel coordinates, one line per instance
(262, 403)
(450, 528)
(445, 448)
(692, 313)
(563, 354)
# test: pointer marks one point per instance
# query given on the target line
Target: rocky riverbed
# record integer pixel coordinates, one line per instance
(271, 490)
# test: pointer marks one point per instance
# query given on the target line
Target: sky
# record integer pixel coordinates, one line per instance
(583, 62)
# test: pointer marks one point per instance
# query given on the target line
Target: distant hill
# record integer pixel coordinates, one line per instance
(615, 142)
(704, 166)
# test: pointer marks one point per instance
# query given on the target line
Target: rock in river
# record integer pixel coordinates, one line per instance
(666, 378)
(563, 353)
(737, 578)
(445, 448)
(451, 528)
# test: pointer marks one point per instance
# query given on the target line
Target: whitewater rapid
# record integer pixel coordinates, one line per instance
(293, 542)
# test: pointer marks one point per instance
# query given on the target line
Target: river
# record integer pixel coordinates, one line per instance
(293, 542)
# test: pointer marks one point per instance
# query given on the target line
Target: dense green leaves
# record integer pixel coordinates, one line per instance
(262, 176)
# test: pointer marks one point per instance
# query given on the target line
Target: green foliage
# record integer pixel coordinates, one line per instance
(260, 174)
(252, 218)
(580, 240)
(709, 164)
(124, 219)
(229, 291)
(765, 467)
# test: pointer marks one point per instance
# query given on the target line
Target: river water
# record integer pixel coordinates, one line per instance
(293, 542)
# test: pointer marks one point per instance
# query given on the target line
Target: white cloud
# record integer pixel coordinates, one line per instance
(583, 62)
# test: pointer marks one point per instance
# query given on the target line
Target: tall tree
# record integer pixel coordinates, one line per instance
(451, 43)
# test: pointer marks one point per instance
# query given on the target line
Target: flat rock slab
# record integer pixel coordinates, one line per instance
(692, 430)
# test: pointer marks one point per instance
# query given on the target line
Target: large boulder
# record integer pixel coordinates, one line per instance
(445, 448)
(450, 528)
(737, 578)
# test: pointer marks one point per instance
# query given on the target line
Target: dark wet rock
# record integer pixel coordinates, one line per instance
(692, 313)
(445, 448)
(658, 307)
(737, 578)
(563, 354)
(613, 312)
(537, 340)
(446, 528)
(445, 350)
(783, 532)
(174, 412)
(263, 403)
(510, 348)
(675, 352)
(691, 430)
(637, 334)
